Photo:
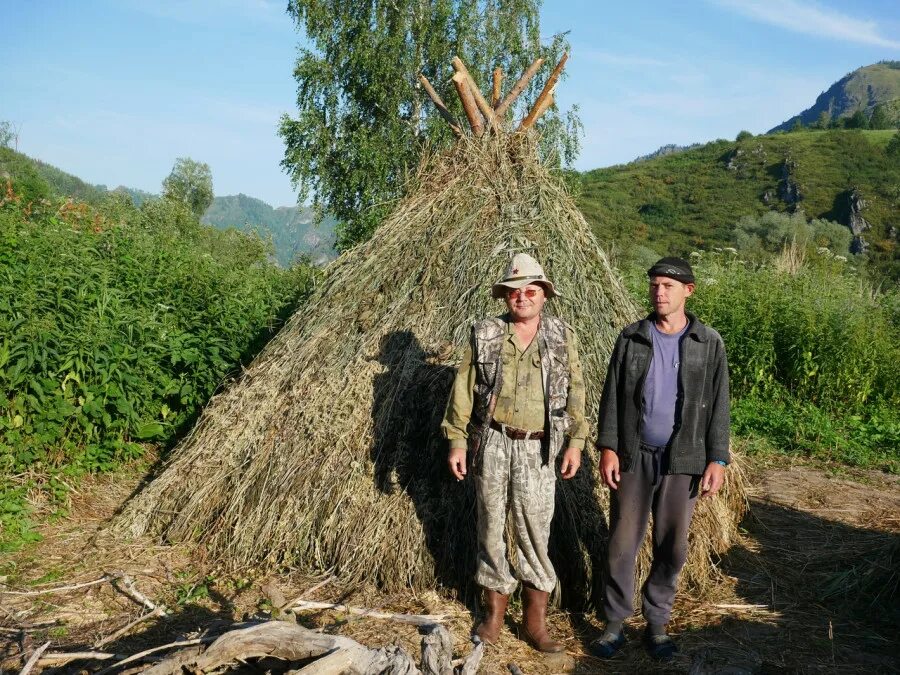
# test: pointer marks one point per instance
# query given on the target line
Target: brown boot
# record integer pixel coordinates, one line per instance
(534, 620)
(494, 613)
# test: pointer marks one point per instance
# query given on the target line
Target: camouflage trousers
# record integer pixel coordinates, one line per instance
(510, 478)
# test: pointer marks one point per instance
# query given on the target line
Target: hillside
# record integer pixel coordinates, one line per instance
(860, 90)
(691, 200)
(292, 228)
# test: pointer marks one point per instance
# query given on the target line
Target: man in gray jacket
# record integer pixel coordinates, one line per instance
(663, 437)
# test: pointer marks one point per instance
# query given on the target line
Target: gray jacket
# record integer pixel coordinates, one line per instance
(702, 416)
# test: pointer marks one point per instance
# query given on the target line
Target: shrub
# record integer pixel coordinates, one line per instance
(117, 325)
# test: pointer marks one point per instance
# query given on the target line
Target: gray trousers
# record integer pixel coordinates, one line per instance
(510, 477)
(671, 499)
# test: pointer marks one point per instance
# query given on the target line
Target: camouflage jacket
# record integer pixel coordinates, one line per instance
(487, 342)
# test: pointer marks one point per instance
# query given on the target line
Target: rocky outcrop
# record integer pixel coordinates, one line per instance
(788, 188)
(856, 222)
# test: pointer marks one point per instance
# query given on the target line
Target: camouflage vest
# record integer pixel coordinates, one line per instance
(488, 337)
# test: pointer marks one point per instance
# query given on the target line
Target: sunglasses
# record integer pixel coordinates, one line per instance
(519, 292)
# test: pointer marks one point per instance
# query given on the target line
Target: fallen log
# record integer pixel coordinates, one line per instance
(415, 619)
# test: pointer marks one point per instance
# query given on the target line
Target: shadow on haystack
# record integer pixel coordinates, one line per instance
(409, 455)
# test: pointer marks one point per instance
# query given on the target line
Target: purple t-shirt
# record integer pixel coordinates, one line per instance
(661, 387)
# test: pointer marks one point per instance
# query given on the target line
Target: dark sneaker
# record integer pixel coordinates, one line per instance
(660, 647)
(607, 645)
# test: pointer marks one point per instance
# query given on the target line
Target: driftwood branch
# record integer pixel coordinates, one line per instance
(461, 82)
(483, 106)
(336, 663)
(518, 88)
(127, 587)
(495, 90)
(153, 650)
(158, 612)
(439, 104)
(64, 657)
(415, 619)
(545, 99)
(62, 589)
(34, 659)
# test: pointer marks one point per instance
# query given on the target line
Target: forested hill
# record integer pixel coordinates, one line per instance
(292, 228)
(862, 89)
(693, 199)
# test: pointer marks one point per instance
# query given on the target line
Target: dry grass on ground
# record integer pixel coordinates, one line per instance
(786, 604)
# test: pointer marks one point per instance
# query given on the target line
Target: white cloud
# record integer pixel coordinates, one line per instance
(811, 19)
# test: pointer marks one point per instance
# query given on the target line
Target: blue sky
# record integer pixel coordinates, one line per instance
(114, 90)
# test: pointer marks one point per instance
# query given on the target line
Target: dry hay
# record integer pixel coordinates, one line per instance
(326, 454)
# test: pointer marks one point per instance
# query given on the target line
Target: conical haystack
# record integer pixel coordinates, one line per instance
(327, 454)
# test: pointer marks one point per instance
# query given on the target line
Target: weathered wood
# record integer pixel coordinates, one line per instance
(473, 660)
(437, 651)
(461, 82)
(335, 663)
(495, 90)
(482, 104)
(518, 88)
(441, 107)
(125, 585)
(536, 113)
(153, 650)
(158, 612)
(61, 589)
(415, 619)
(30, 663)
(62, 657)
(540, 105)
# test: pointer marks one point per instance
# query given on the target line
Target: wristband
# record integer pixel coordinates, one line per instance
(719, 461)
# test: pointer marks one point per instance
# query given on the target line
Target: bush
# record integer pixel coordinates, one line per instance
(117, 325)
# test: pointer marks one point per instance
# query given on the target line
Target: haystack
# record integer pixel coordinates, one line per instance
(326, 453)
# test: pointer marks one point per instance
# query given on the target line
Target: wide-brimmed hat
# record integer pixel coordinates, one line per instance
(521, 271)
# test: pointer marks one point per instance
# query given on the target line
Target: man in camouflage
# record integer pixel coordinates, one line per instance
(517, 401)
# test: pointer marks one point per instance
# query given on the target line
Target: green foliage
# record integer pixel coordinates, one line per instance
(116, 326)
(26, 182)
(893, 147)
(743, 136)
(880, 118)
(191, 184)
(857, 120)
(7, 133)
(813, 356)
(680, 202)
(772, 231)
(363, 119)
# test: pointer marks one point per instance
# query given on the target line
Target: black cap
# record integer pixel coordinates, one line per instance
(674, 268)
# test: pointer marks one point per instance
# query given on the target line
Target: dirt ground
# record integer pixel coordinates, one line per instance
(811, 588)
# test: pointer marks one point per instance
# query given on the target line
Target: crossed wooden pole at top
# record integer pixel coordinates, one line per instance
(482, 114)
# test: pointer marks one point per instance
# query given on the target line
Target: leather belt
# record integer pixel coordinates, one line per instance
(517, 434)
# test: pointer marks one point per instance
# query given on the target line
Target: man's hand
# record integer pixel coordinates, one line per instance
(609, 468)
(712, 479)
(571, 462)
(457, 462)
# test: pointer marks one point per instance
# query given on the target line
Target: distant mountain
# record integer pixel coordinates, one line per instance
(860, 90)
(292, 228)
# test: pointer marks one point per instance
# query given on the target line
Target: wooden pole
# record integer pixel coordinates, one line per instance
(539, 109)
(439, 104)
(461, 82)
(495, 93)
(518, 88)
(483, 106)
(546, 92)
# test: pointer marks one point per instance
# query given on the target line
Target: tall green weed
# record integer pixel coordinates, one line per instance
(116, 326)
